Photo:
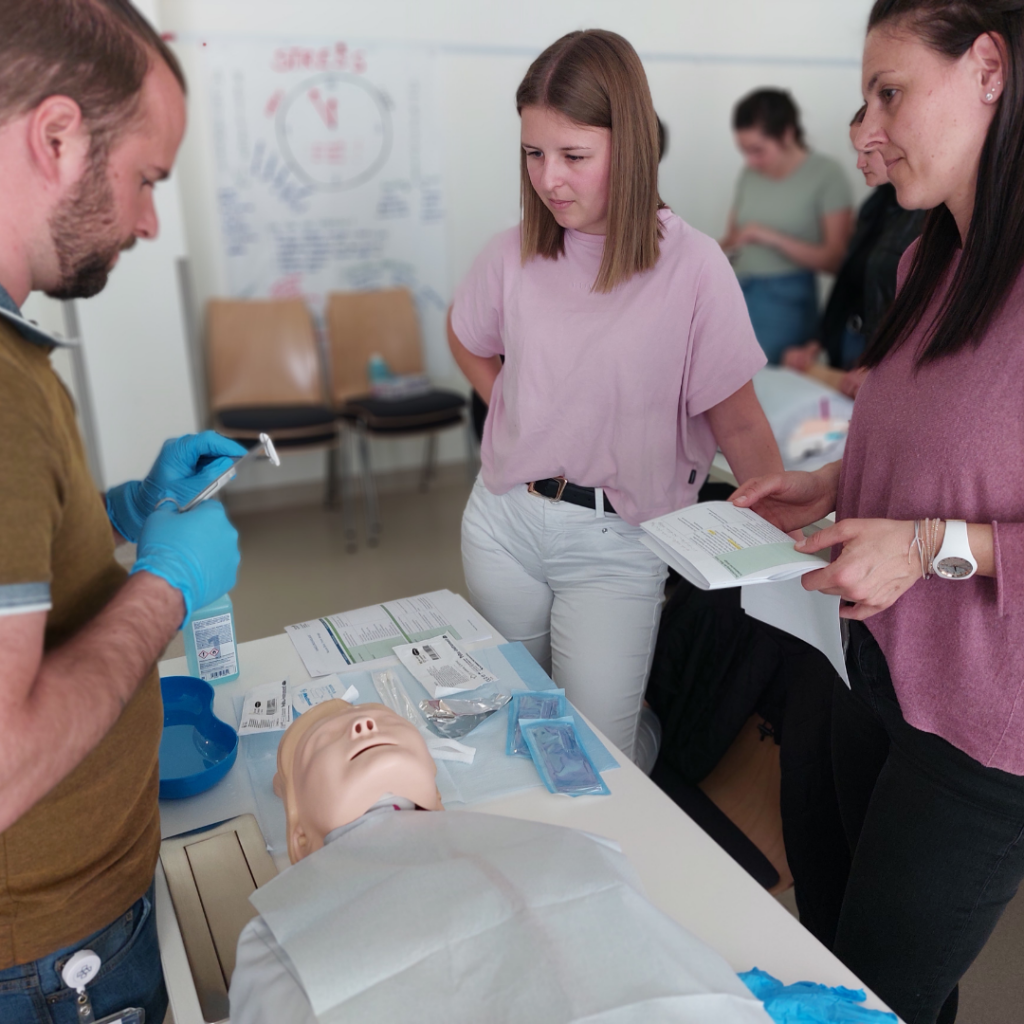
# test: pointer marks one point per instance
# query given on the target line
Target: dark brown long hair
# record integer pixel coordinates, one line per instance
(993, 251)
(595, 78)
(96, 52)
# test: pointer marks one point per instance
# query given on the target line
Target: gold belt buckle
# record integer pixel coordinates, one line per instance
(558, 494)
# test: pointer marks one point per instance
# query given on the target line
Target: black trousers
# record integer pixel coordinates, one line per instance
(937, 844)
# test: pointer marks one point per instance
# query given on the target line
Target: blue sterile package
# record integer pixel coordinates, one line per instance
(561, 760)
(531, 704)
(806, 1002)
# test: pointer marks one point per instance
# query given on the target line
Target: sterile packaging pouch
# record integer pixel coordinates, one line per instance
(561, 759)
(453, 718)
(531, 704)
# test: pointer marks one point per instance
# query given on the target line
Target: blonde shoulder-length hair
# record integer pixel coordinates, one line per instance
(595, 78)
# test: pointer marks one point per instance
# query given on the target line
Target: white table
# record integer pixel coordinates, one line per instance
(786, 398)
(686, 874)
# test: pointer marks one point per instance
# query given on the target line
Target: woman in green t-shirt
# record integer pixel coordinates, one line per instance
(792, 217)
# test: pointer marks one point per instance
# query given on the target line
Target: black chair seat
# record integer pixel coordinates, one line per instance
(269, 418)
(432, 409)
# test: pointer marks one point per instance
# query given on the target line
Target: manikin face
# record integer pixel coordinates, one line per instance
(927, 117)
(764, 154)
(337, 760)
(869, 162)
(112, 203)
(570, 167)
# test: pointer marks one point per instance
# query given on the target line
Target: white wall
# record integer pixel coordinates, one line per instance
(700, 58)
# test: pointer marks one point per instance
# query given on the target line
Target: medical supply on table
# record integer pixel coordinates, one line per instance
(562, 762)
(809, 1003)
(531, 704)
(176, 476)
(196, 554)
(453, 718)
(815, 436)
(266, 708)
(442, 666)
(197, 749)
(393, 695)
(328, 688)
(490, 776)
(209, 635)
(264, 450)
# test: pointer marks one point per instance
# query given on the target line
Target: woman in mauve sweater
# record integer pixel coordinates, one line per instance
(928, 744)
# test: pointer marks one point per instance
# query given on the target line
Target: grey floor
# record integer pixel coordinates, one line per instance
(295, 566)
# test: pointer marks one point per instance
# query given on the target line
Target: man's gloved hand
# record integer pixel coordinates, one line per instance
(175, 474)
(196, 552)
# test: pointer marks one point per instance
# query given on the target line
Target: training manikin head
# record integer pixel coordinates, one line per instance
(337, 760)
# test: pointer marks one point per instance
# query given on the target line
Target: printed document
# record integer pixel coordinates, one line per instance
(807, 614)
(266, 708)
(716, 544)
(442, 666)
(333, 643)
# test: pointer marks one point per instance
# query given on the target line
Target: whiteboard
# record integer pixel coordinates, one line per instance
(327, 161)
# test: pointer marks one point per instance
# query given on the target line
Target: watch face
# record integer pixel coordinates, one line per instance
(953, 568)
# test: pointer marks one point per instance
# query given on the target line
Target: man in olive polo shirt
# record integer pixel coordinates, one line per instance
(91, 116)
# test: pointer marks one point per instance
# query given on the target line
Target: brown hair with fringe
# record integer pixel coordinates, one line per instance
(595, 78)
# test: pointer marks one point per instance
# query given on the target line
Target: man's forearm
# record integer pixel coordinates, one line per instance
(80, 690)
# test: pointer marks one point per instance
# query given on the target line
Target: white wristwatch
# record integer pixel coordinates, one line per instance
(954, 560)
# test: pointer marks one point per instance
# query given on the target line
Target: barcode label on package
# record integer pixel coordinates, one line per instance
(266, 708)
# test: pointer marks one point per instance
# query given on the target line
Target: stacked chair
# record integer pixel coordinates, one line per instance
(363, 324)
(264, 375)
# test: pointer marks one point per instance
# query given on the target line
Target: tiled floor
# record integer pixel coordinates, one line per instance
(295, 566)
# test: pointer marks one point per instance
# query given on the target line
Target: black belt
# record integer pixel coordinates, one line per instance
(559, 489)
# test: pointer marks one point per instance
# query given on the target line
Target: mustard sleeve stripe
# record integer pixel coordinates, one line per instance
(19, 598)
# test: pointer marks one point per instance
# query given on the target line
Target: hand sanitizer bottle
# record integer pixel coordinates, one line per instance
(210, 642)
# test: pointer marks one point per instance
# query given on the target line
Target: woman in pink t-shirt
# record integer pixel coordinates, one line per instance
(628, 358)
(928, 743)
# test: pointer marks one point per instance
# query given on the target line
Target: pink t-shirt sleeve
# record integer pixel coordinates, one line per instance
(479, 307)
(724, 351)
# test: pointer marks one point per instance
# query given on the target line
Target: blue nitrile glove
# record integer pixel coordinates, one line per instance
(196, 552)
(809, 1003)
(175, 474)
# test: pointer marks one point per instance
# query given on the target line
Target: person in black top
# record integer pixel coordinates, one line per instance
(866, 283)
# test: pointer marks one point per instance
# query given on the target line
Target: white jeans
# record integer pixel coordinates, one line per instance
(579, 590)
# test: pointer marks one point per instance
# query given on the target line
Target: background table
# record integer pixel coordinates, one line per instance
(686, 874)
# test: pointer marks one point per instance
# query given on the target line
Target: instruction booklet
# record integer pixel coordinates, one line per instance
(333, 643)
(716, 544)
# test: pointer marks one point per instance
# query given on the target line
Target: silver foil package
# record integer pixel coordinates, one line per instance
(453, 717)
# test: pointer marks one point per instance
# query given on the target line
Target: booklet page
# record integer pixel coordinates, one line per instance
(725, 545)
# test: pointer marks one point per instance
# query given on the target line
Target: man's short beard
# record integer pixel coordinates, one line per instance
(83, 228)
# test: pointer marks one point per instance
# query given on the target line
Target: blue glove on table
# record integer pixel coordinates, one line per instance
(175, 474)
(195, 552)
(809, 1003)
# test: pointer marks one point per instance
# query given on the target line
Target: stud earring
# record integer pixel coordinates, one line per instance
(989, 97)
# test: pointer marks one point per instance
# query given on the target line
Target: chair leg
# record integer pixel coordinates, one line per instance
(429, 461)
(369, 489)
(331, 485)
(347, 506)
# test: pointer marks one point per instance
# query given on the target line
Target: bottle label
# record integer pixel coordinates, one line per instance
(215, 647)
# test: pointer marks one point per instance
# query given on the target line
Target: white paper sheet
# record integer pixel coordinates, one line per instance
(364, 635)
(716, 544)
(807, 614)
(442, 666)
(266, 708)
